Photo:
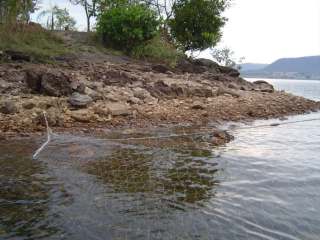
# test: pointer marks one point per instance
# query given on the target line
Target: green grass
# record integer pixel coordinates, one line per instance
(159, 49)
(32, 40)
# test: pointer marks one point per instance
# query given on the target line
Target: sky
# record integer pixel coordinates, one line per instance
(261, 31)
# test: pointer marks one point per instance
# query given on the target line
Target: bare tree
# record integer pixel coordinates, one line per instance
(90, 7)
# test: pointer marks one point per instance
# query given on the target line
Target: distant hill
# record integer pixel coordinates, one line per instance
(302, 68)
(252, 66)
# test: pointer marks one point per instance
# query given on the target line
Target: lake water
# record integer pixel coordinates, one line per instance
(263, 185)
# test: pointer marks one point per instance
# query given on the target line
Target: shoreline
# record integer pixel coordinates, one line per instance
(83, 96)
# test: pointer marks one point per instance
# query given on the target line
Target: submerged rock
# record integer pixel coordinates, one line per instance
(221, 137)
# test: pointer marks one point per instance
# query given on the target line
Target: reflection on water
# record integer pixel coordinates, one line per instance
(181, 177)
(263, 185)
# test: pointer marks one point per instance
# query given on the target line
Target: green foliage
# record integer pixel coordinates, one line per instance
(32, 40)
(127, 26)
(12, 10)
(197, 23)
(225, 57)
(158, 49)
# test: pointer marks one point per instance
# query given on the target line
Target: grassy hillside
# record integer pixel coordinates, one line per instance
(33, 40)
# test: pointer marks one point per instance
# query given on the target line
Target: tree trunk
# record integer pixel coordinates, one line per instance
(52, 22)
(88, 24)
(88, 16)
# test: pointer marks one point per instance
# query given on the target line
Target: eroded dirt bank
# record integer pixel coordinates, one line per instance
(88, 93)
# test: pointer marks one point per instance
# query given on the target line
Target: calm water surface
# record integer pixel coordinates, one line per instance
(263, 185)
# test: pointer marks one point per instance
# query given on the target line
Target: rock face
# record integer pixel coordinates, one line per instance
(8, 107)
(51, 83)
(80, 100)
(202, 65)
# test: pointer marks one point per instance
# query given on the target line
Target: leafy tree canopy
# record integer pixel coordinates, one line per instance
(197, 23)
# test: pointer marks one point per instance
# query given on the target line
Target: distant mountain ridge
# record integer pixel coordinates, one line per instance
(252, 66)
(301, 67)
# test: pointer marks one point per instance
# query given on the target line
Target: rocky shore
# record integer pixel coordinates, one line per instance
(85, 94)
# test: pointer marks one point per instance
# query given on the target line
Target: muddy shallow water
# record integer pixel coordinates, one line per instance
(263, 185)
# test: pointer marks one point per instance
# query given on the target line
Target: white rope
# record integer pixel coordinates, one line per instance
(35, 155)
(208, 131)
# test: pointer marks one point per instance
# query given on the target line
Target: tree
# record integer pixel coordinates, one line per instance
(12, 10)
(58, 19)
(90, 7)
(197, 23)
(225, 57)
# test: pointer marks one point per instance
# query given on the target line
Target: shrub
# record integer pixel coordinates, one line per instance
(127, 26)
(158, 49)
(197, 23)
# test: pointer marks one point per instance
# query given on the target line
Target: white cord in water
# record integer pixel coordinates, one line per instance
(35, 155)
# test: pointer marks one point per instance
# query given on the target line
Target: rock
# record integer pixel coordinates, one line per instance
(221, 137)
(50, 82)
(93, 94)
(134, 100)
(189, 66)
(198, 105)
(140, 93)
(119, 109)
(53, 115)
(33, 80)
(82, 115)
(80, 100)
(17, 56)
(101, 110)
(160, 68)
(28, 105)
(263, 86)
(229, 91)
(55, 83)
(8, 107)
(229, 71)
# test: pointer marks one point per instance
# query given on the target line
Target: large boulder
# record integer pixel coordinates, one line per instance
(229, 71)
(49, 82)
(80, 100)
(263, 86)
(202, 65)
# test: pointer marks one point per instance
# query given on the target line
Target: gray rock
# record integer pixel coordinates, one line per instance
(80, 100)
(8, 107)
